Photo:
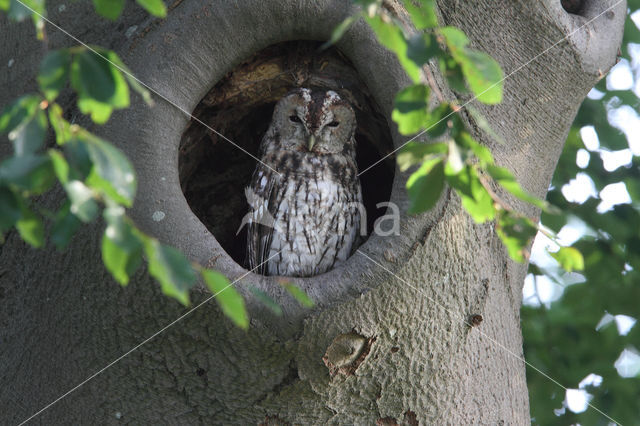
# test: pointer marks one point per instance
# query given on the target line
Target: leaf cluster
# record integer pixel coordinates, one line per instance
(460, 161)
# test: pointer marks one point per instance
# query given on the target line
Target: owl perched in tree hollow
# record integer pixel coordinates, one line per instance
(305, 220)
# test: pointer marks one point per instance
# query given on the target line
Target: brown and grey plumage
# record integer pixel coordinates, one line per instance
(307, 219)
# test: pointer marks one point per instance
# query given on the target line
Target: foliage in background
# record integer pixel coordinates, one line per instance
(457, 159)
(581, 337)
(561, 341)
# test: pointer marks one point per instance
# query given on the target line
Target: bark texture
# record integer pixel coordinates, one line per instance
(390, 324)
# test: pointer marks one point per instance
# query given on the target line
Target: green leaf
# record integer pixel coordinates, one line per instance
(77, 155)
(110, 9)
(18, 112)
(10, 211)
(171, 268)
(60, 126)
(482, 122)
(475, 197)
(516, 232)
(504, 177)
(569, 258)
(423, 16)
(18, 11)
(484, 76)
(64, 226)
(339, 31)
(60, 165)
(154, 7)
(83, 205)
(29, 136)
(425, 185)
(410, 109)
(422, 47)
(30, 228)
(230, 301)
(482, 73)
(100, 85)
(54, 72)
(440, 119)
(465, 141)
(416, 152)
(391, 37)
(452, 71)
(133, 82)
(121, 246)
(298, 294)
(112, 173)
(33, 173)
(266, 300)
(4, 5)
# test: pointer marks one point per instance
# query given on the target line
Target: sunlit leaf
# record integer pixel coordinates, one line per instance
(128, 75)
(54, 72)
(64, 226)
(60, 165)
(100, 85)
(465, 141)
(83, 206)
(60, 126)
(391, 37)
(425, 185)
(112, 172)
(266, 300)
(298, 294)
(569, 258)
(482, 73)
(171, 268)
(475, 197)
(423, 16)
(416, 152)
(230, 301)
(484, 77)
(110, 9)
(154, 7)
(121, 246)
(410, 109)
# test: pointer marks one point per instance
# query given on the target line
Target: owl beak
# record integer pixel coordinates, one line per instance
(312, 141)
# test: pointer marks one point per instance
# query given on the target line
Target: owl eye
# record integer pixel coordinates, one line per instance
(333, 124)
(295, 119)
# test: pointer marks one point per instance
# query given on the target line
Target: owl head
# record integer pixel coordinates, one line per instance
(314, 122)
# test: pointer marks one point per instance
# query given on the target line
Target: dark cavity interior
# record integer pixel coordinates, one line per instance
(214, 172)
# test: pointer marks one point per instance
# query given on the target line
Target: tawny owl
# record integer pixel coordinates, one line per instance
(306, 219)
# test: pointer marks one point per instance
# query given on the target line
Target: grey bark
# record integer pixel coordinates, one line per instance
(63, 318)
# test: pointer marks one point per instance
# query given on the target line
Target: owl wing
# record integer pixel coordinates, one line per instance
(263, 206)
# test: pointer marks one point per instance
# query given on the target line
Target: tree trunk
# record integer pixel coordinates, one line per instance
(394, 317)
